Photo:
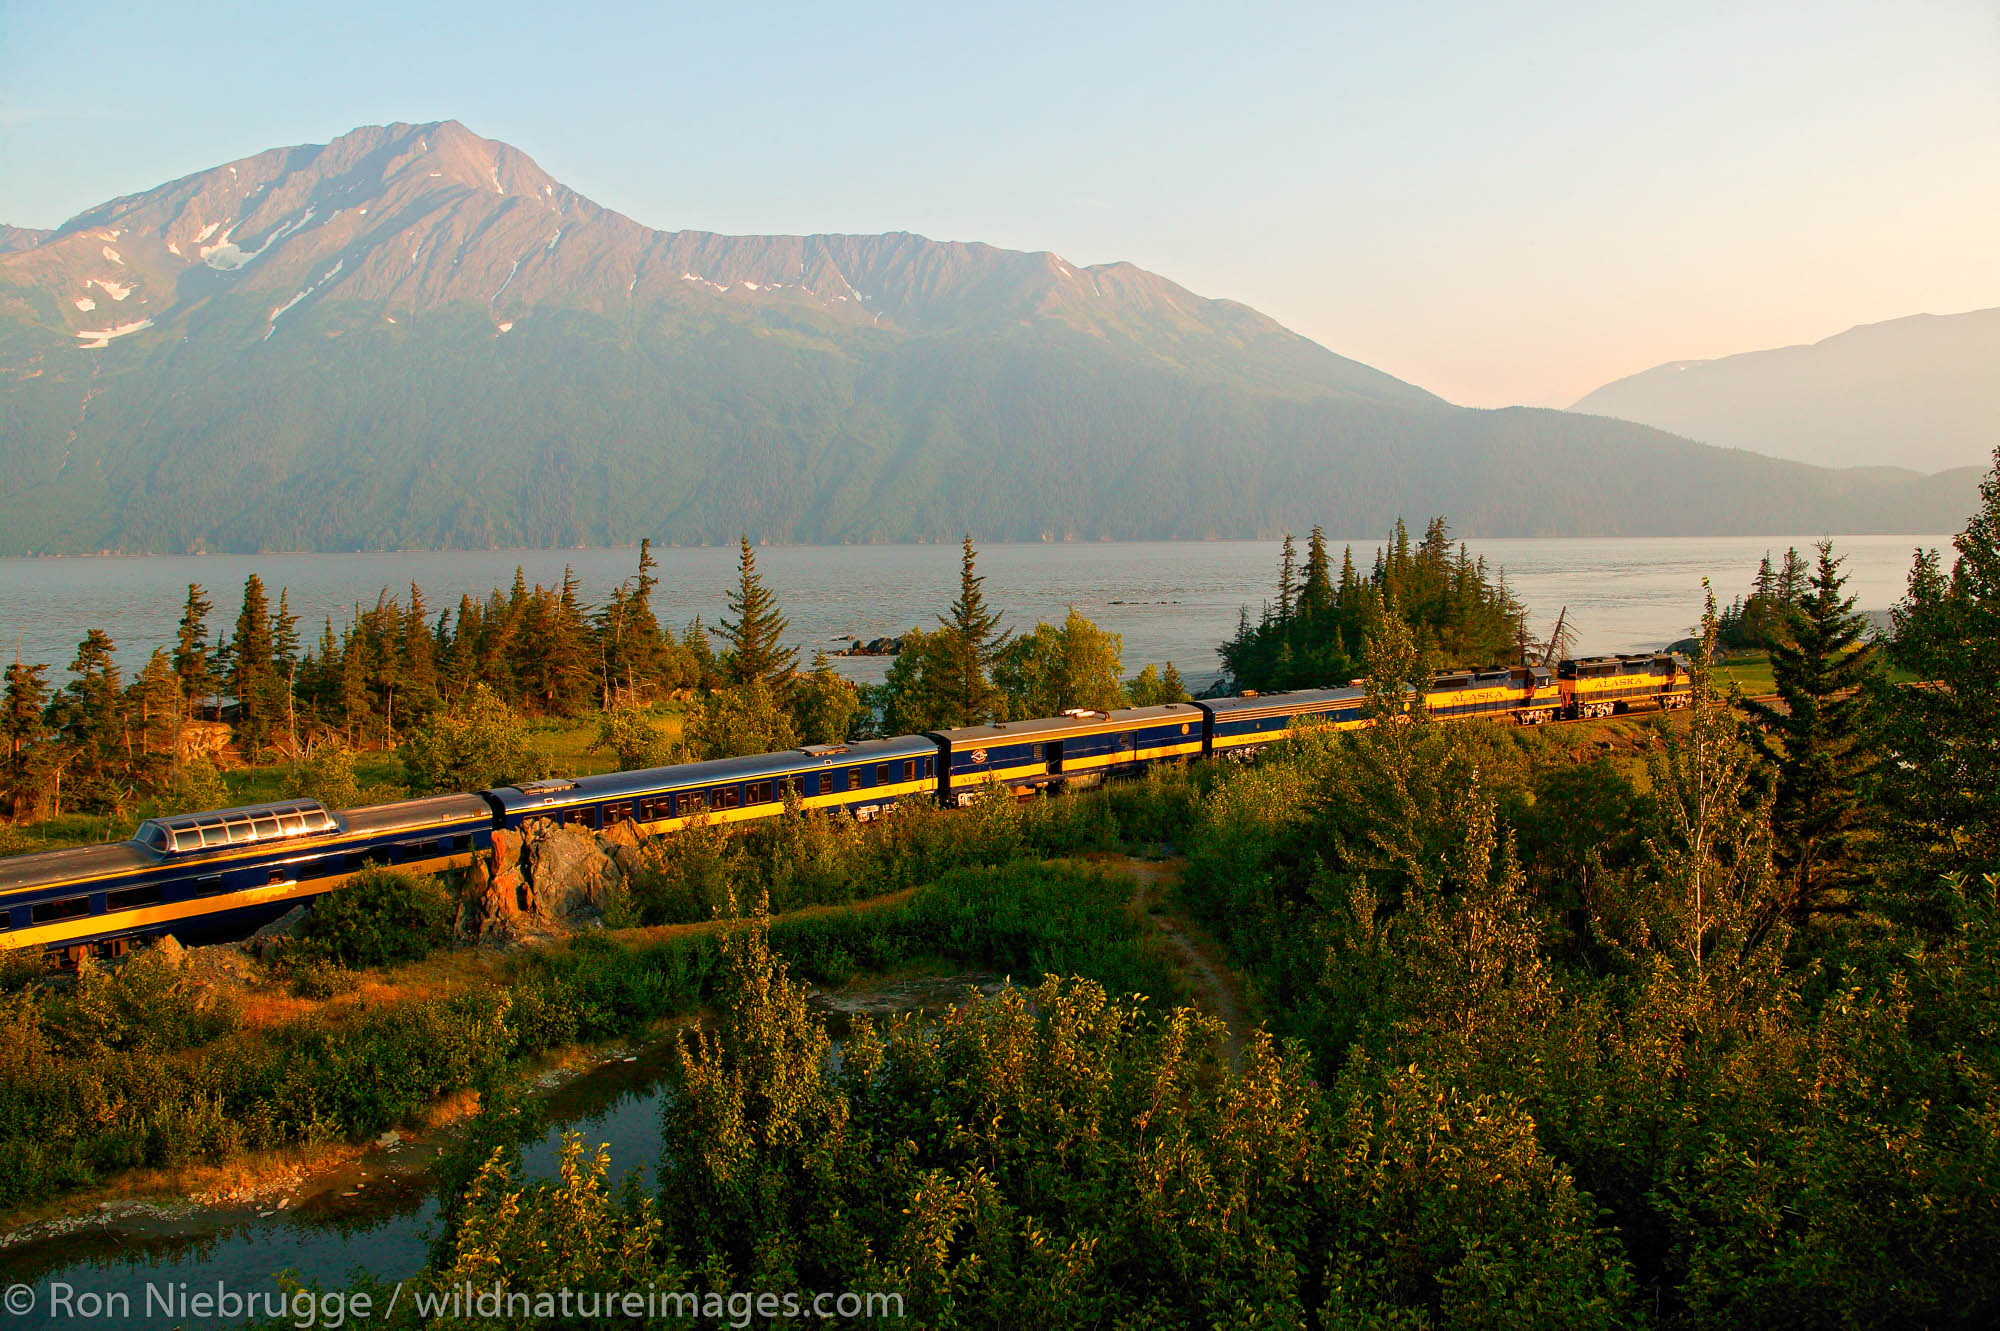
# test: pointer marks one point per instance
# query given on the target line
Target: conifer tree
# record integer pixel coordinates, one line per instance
(1814, 741)
(251, 671)
(756, 634)
(1288, 566)
(88, 724)
(1316, 596)
(155, 705)
(419, 653)
(26, 732)
(1941, 772)
(192, 655)
(285, 660)
(969, 641)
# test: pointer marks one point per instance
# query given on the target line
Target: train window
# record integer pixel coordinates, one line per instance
(1035, 753)
(153, 836)
(881, 774)
(795, 787)
(930, 767)
(461, 844)
(909, 769)
(277, 876)
(125, 898)
(264, 825)
(208, 885)
(757, 792)
(6, 920)
(45, 912)
(724, 797)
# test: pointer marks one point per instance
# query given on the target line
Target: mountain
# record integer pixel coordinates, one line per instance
(414, 337)
(1921, 392)
(20, 238)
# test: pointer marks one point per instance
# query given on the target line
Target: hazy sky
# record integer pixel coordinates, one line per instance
(1501, 203)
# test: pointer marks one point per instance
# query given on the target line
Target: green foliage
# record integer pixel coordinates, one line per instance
(1052, 670)
(474, 746)
(1150, 688)
(1048, 1158)
(326, 774)
(379, 917)
(732, 722)
(756, 654)
(824, 706)
(1815, 745)
(1314, 636)
(1941, 742)
(195, 787)
(968, 645)
(632, 738)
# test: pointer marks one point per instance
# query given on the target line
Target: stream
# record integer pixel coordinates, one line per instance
(376, 1214)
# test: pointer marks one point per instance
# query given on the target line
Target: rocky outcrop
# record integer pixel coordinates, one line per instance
(546, 880)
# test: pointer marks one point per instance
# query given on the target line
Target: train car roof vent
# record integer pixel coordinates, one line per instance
(823, 750)
(1083, 711)
(235, 827)
(554, 785)
(1248, 693)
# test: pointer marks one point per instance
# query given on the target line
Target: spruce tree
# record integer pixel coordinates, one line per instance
(154, 702)
(1941, 772)
(22, 723)
(1815, 743)
(192, 655)
(419, 653)
(251, 672)
(1316, 593)
(969, 642)
(756, 635)
(86, 717)
(1288, 577)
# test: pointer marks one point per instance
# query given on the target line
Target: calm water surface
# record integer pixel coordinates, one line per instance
(1172, 601)
(379, 1214)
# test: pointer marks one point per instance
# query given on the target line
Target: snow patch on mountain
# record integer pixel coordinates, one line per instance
(115, 290)
(331, 273)
(84, 303)
(223, 256)
(99, 338)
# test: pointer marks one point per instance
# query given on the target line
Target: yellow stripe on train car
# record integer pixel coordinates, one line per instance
(139, 917)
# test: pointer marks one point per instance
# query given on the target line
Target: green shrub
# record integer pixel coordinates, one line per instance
(379, 917)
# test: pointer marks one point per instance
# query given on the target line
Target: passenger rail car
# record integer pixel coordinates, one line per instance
(224, 873)
(1070, 749)
(1246, 725)
(864, 778)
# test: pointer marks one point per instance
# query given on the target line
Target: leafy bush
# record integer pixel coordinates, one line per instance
(380, 916)
(475, 745)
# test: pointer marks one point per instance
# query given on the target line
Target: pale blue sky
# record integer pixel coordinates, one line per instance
(1503, 204)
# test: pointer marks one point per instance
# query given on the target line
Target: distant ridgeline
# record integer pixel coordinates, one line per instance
(414, 338)
(1313, 635)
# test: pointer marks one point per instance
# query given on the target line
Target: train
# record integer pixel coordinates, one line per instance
(225, 873)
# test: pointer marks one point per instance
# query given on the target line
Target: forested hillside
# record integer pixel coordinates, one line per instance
(413, 337)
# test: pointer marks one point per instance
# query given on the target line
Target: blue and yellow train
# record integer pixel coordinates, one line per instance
(222, 874)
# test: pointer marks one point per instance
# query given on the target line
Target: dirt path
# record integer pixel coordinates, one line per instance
(1217, 990)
